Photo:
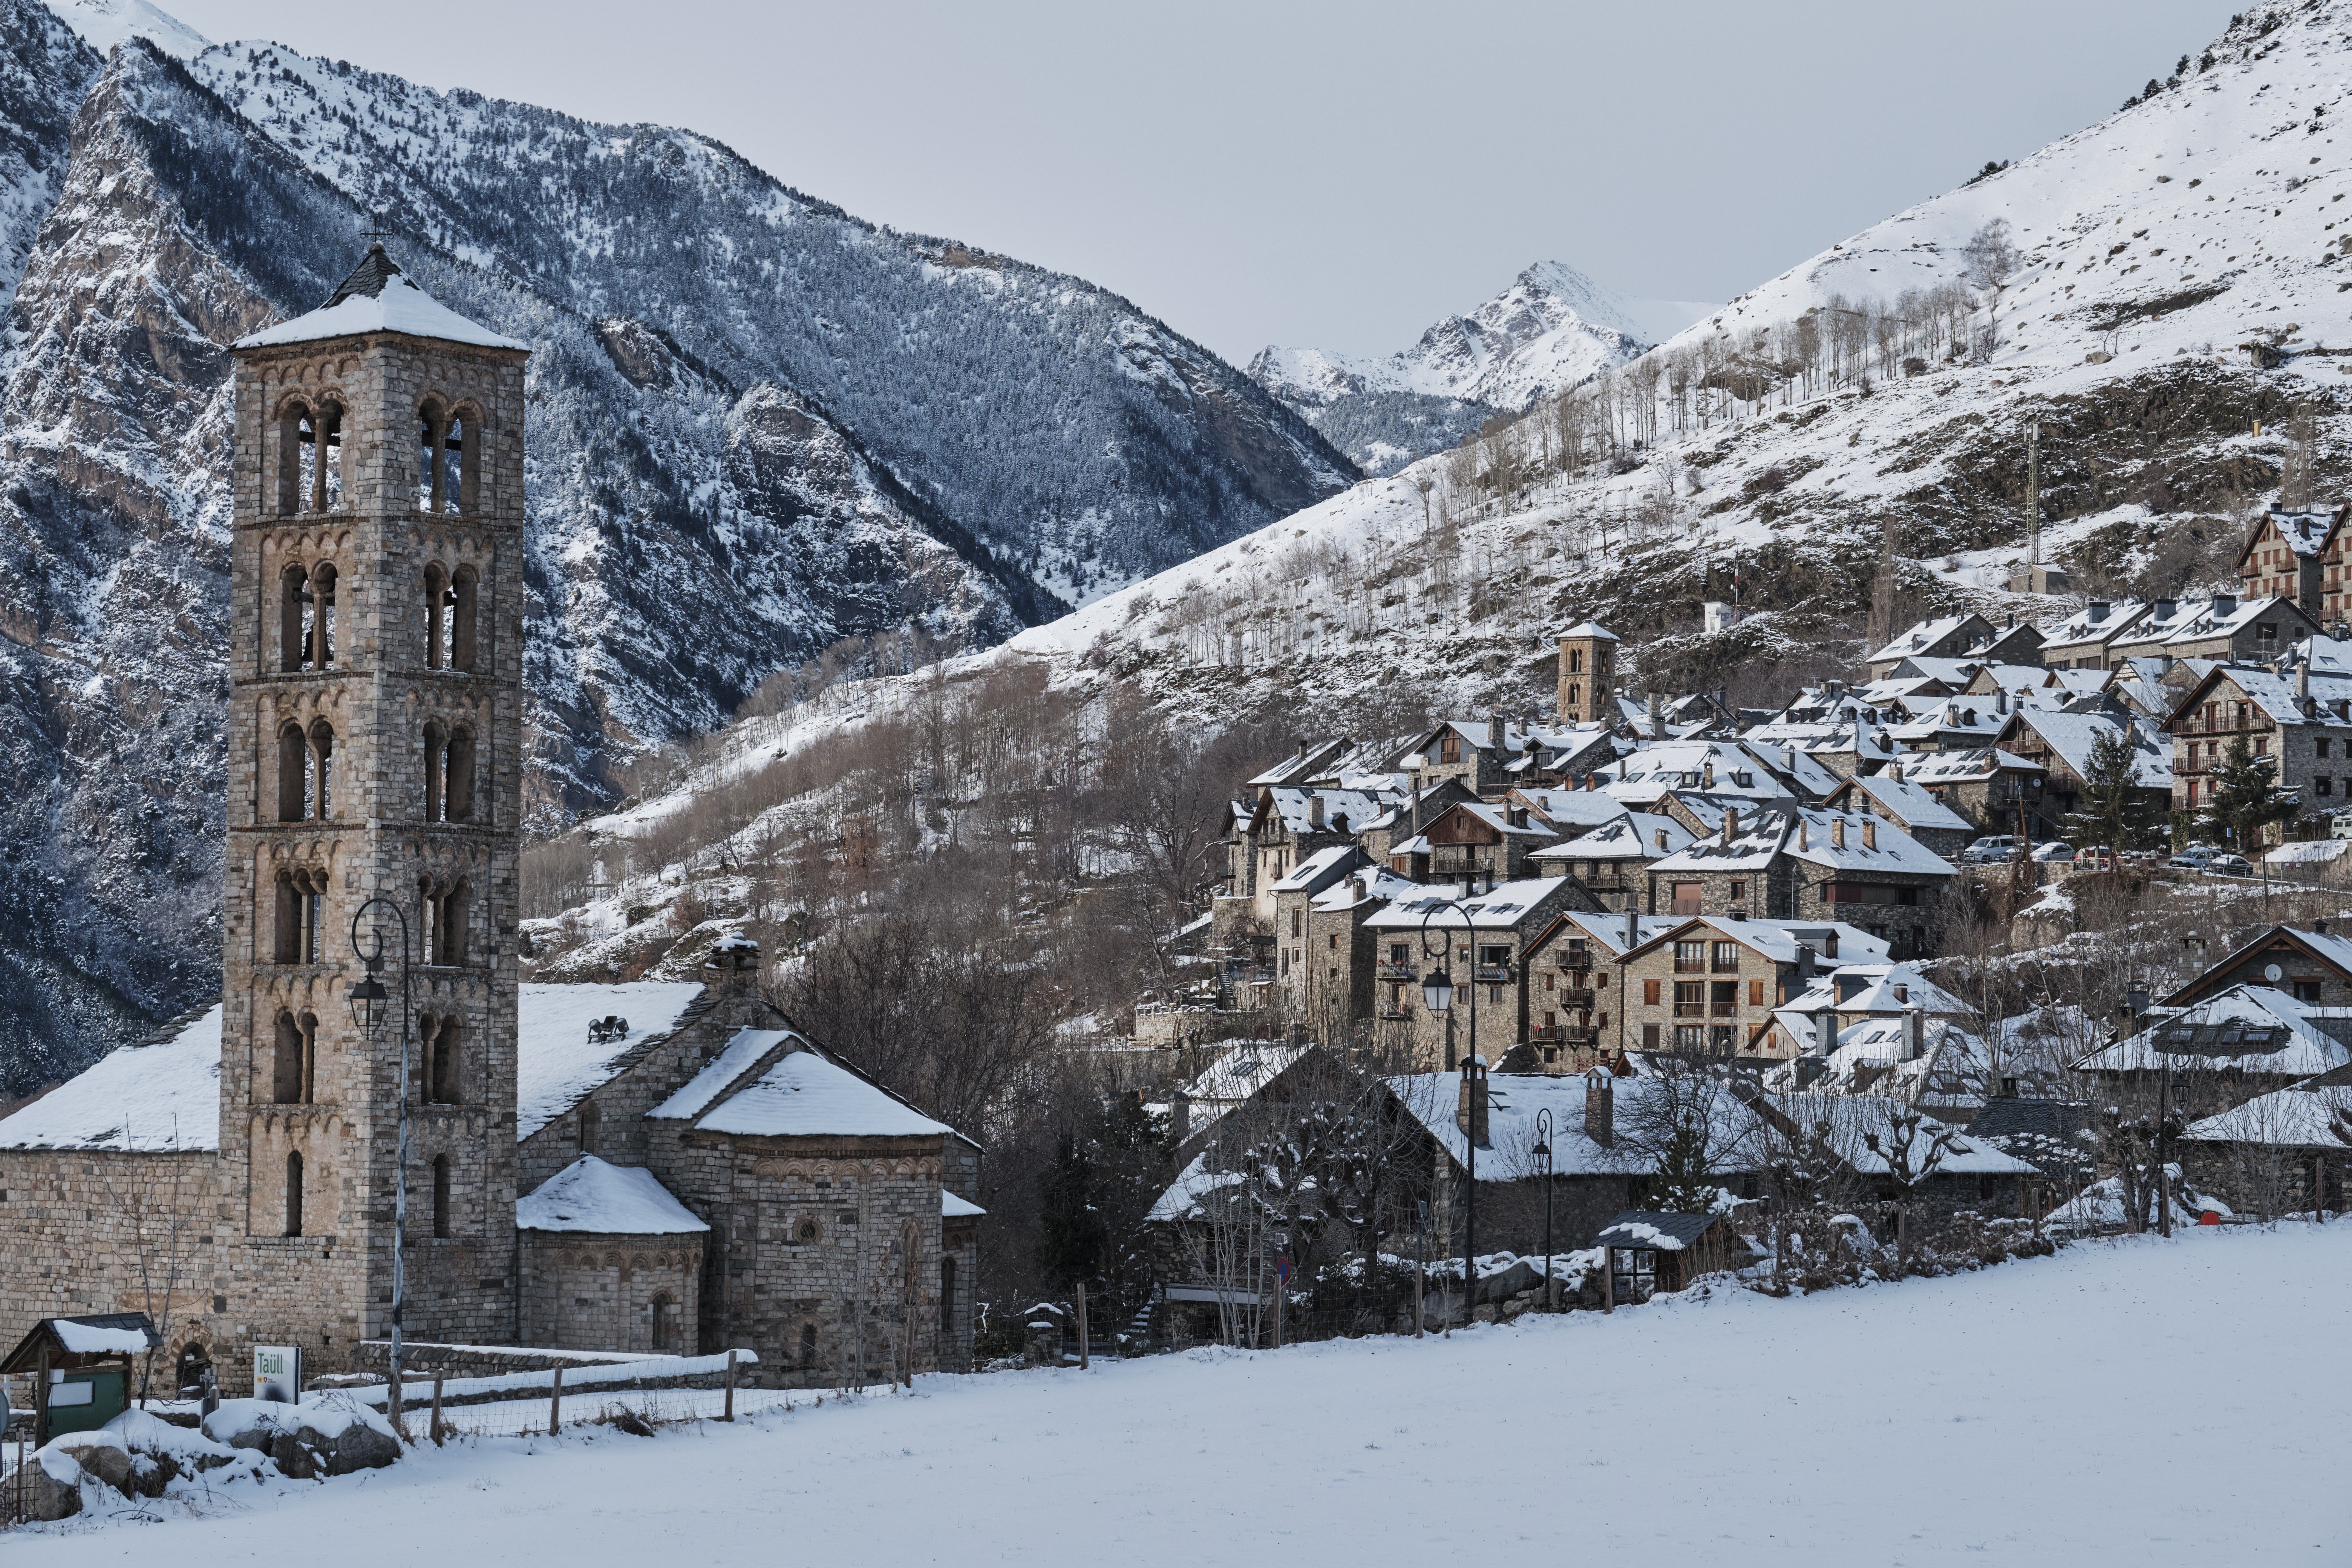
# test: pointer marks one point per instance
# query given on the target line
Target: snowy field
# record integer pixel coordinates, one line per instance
(2140, 1402)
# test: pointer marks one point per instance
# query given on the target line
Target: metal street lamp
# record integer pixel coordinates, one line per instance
(1542, 1154)
(1437, 990)
(369, 1003)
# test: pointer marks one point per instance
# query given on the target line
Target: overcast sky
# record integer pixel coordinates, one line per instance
(1337, 176)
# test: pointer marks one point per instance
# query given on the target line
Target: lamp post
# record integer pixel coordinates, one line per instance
(1542, 1154)
(1437, 992)
(368, 1003)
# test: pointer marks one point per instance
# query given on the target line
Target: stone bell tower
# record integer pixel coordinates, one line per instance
(1588, 674)
(374, 734)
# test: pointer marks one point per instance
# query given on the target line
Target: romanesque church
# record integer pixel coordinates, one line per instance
(654, 1166)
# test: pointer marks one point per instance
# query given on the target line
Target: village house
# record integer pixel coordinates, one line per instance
(2223, 1051)
(2297, 556)
(2223, 629)
(2061, 743)
(1575, 988)
(2280, 1153)
(1478, 942)
(1985, 786)
(1843, 996)
(1892, 797)
(2313, 966)
(1326, 980)
(1809, 865)
(1471, 842)
(1612, 860)
(1969, 638)
(1709, 987)
(2303, 721)
(2086, 639)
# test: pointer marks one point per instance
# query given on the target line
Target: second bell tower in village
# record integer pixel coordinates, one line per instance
(375, 730)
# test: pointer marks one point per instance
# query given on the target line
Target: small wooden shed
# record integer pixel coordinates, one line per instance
(1648, 1253)
(80, 1368)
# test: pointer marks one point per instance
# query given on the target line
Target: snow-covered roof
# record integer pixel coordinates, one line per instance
(955, 1207)
(1633, 836)
(1367, 885)
(78, 1337)
(1500, 907)
(1856, 1119)
(2274, 694)
(2303, 1051)
(1920, 638)
(1195, 1182)
(1969, 765)
(1608, 930)
(2310, 852)
(378, 298)
(1513, 1102)
(803, 1095)
(2071, 736)
(556, 1062)
(2212, 621)
(160, 1096)
(1316, 870)
(612, 1200)
(1573, 808)
(2114, 618)
(1718, 767)
(2304, 532)
(1777, 939)
(2312, 1115)
(1591, 629)
(742, 1053)
(1910, 804)
(1291, 808)
(1811, 834)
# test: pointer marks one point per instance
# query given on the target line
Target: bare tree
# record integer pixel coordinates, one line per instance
(1988, 260)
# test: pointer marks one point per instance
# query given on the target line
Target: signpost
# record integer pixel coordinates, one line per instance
(278, 1373)
(1281, 1292)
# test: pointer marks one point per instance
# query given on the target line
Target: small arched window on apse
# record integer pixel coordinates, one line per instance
(440, 1197)
(294, 1070)
(301, 899)
(808, 1345)
(293, 1194)
(664, 1321)
(431, 426)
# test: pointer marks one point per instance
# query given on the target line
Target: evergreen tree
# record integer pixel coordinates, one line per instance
(2246, 798)
(1071, 1238)
(2115, 810)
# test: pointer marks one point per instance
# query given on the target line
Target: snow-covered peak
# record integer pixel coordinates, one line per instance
(1552, 328)
(106, 23)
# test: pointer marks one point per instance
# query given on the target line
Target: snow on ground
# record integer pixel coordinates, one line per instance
(2106, 1405)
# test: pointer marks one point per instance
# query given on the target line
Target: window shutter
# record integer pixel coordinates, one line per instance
(1650, 993)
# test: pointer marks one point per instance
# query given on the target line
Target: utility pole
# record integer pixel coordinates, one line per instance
(2033, 499)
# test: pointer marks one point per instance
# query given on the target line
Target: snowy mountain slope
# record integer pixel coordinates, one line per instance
(103, 23)
(2151, 244)
(1552, 329)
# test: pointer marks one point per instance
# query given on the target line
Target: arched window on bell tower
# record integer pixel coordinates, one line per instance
(456, 467)
(326, 491)
(301, 897)
(294, 458)
(293, 1194)
(440, 1197)
(294, 1071)
(462, 635)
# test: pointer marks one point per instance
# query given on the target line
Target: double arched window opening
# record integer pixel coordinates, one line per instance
(449, 618)
(306, 617)
(294, 1074)
(310, 477)
(449, 772)
(305, 772)
(446, 459)
(301, 905)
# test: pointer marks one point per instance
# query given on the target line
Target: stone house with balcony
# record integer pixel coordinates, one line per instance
(1481, 942)
(2314, 965)
(1405, 815)
(1809, 864)
(1710, 986)
(1473, 843)
(1612, 860)
(1325, 954)
(1285, 827)
(2298, 556)
(2303, 720)
(2224, 629)
(1575, 988)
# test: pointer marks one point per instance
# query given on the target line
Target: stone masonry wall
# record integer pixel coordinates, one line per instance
(587, 1291)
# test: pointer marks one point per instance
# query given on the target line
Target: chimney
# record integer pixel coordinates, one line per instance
(1870, 833)
(1804, 839)
(1302, 750)
(1179, 1116)
(1829, 944)
(1632, 926)
(1706, 774)
(2303, 684)
(2224, 605)
(1730, 823)
(734, 965)
(1824, 1032)
(1314, 813)
(1837, 832)
(1470, 1106)
(1804, 962)
(1653, 704)
(1494, 733)
(1659, 837)
(2098, 612)
(1600, 1107)
(1916, 1033)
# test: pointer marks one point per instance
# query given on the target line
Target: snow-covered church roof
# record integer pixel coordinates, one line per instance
(378, 298)
(611, 1200)
(158, 1096)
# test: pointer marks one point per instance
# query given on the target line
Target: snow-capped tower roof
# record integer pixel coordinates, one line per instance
(1593, 629)
(378, 298)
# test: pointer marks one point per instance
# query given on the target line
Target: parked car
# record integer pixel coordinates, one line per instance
(2095, 858)
(1994, 849)
(2193, 859)
(2340, 824)
(2141, 858)
(2055, 852)
(2228, 866)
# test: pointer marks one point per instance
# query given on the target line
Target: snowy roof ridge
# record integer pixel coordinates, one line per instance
(377, 297)
(591, 1194)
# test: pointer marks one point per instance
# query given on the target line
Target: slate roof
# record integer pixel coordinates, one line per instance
(1633, 836)
(377, 298)
(1656, 1232)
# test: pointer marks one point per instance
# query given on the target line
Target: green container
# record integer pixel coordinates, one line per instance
(102, 1404)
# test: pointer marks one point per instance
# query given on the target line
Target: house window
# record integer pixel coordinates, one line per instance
(1726, 956)
(2266, 632)
(1449, 748)
(2320, 784)
(1295, 915)
(1690, 998)
(1634, 1274)
(1739, 890)
(2306, 990)
(1549, 978)
(1756, 993)
(1690, 958)
(1690, 1039)
(2322, 747)
(1723, 999)
(1334, 942)
(1687, 898)
(1649, 1036)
